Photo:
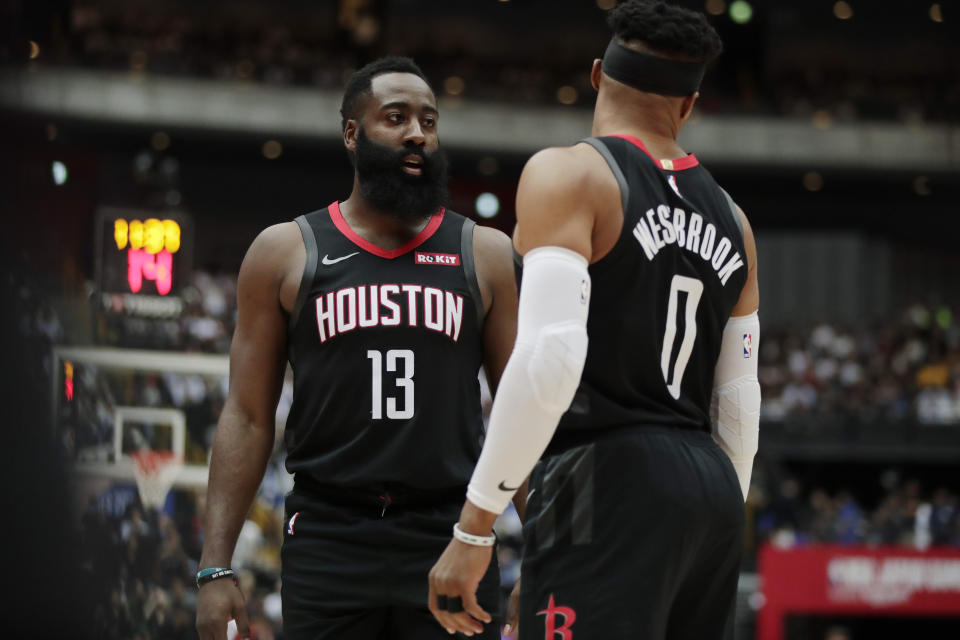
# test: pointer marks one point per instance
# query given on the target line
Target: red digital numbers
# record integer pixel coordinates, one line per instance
(142, 265)
(68, 380)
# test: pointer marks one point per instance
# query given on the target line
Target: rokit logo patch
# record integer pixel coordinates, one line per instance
(446, 259)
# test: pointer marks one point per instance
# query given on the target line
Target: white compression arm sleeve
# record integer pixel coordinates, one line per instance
(541, 377)
(735, 405)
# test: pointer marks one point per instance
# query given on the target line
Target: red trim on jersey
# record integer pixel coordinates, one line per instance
(679, 164)
(355, 238)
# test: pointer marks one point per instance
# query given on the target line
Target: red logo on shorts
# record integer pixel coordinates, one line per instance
(448, 259)
(554, 632)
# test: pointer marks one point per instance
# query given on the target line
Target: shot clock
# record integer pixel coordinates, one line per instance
(143, 261)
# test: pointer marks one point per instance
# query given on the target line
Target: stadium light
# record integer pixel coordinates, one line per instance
(812, 181)
(716, 7)
(842, 10)
(822, 119)
(272, 149)
(59, 171)
(487, 205)
(160, 141)
(741, 11)
(454, 85)
(566, 95)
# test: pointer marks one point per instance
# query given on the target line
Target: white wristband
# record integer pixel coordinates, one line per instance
(469, 538)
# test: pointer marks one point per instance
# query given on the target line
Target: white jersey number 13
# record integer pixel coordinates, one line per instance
(694, 289)
(405, 382)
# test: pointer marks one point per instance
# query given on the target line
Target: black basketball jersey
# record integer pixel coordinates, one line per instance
(385, 349)
(661, 297)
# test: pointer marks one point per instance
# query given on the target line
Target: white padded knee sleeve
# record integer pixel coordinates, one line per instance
(541, 377)
(735, 406)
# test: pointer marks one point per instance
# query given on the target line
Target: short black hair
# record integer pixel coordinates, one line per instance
(360, 81)
(666, 29)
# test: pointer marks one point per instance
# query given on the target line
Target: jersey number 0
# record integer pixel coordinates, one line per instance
(694, 289)
(405, 382)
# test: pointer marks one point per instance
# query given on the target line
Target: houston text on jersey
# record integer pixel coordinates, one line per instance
(668, 225)
(387, 305)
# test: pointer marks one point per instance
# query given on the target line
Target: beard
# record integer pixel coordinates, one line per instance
(386, 186)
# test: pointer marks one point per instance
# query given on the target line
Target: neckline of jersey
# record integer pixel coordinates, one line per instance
(678, 164)
(340, 223)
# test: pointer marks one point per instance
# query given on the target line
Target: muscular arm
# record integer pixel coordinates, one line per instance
(553, 211)
(553, 203)
(554, 229)
(495, 272)
(245, 432)
(735, 402)
(750, 295)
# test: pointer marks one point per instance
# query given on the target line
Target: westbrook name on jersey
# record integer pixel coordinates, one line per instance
(385, 350)
(669, 226)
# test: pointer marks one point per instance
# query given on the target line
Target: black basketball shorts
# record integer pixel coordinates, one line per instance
(358, 572)
(636, 534)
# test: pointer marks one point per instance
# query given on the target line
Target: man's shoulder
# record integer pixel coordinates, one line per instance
(493, 241)
(571, 168)
(274, 248)
(279, 236)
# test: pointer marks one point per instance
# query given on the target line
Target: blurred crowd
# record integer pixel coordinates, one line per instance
(905, 368)
(294, 47)
(140, 565)
(786, 515)
(140, 562)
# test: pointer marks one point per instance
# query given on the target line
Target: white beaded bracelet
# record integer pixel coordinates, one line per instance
(469, 538)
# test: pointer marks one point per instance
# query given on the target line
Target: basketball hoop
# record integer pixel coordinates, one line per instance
(155, 472)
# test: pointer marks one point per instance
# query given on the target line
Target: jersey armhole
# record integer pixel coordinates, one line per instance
(611, 161)
(736, 217)
(470, 268)
(517, 267)
(604, 151)
(733, 210)
(309, 269)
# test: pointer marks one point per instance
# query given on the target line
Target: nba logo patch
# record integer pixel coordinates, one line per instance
(584, 291)
(747, 345)
(291, 522)
(673, 184)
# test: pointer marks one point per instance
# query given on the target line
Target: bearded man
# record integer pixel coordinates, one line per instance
(385, 304)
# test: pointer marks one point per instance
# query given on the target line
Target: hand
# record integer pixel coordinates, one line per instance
(513, 611)
(457, 574)
(217, 603)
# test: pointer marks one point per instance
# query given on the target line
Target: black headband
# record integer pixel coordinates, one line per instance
(652, 73)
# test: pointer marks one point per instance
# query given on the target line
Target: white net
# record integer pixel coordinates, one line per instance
(155, 472)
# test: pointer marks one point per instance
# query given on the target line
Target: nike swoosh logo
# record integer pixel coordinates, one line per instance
(327, 260)
(504, 487)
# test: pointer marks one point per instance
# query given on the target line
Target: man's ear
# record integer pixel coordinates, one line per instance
(595, 73)
(350, 132)
(686, 106)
